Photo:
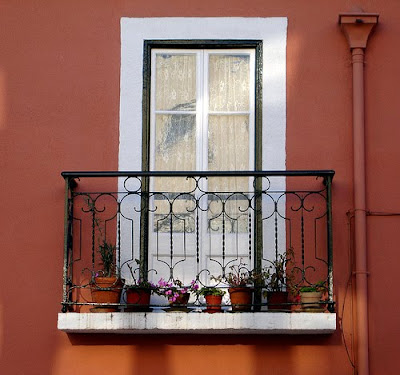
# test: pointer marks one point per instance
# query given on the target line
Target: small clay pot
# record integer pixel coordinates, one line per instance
(241, 298)
(278, 301)
(213, 303)
(106, 290)
(139, 298)
(310, 300)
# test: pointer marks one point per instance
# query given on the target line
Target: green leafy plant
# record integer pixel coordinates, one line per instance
(107, 255)
(318, 287)
(210, 291)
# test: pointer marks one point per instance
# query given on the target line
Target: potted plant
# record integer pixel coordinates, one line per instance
(311, 295)
(213, 296)
(240, 281)
(278, 280)
(138, 292)
(106, 286)
(176, 292)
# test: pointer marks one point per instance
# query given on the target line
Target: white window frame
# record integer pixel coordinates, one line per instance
(202, 111)
(271, 31)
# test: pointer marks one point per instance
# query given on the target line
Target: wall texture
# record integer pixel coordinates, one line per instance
(59, 110)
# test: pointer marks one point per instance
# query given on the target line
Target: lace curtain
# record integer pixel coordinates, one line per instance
(224, 116)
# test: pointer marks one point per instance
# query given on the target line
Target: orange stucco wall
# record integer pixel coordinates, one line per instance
(59, 110)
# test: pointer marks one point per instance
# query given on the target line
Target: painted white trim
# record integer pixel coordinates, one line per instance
(272, 32)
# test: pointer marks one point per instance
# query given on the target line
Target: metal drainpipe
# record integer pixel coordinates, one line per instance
(357, 28)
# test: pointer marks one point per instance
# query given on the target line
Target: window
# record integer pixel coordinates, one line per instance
(202, 117)
(202, 109)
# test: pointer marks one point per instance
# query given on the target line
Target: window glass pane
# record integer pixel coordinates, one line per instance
(175, 142)
(175, 82)
(175, 150)
(229, 82)
(228, 150)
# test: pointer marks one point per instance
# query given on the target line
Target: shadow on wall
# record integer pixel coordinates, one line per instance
(219, 354)
(2, 100)
(1, 329)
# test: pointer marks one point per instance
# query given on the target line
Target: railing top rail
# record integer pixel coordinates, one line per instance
(284, 173)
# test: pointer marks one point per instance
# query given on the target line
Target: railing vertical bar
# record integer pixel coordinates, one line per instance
(93, 236)
(276, 231)
(258, 236)
(171, 238)
(302, 236)
(66, 243)
(197, 238)
(250, 233)
(223, 233)
(144, 225)
(118, 239)
(328, 181)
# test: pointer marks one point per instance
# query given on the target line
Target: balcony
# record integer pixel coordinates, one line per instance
(199, 228)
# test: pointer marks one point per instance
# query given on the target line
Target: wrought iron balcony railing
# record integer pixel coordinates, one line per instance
(197, 226)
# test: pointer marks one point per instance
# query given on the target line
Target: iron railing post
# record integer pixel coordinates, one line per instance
(328, 182)
(67, 236)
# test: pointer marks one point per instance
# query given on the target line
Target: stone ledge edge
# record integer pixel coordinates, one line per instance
(195, 323)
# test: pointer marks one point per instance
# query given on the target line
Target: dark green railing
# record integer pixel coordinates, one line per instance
(194, 225)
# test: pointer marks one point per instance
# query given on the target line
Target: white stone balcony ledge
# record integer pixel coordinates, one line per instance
(296, 323)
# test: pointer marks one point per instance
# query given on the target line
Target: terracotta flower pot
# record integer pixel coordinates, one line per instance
(310, 300)
(241, 298)
(139, 297)
(278, 301)
(106, 290)
(213, 303)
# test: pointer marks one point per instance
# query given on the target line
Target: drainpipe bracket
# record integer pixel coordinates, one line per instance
(360, 273)
(357, 27)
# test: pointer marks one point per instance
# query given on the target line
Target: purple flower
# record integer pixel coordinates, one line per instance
(162, 283)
